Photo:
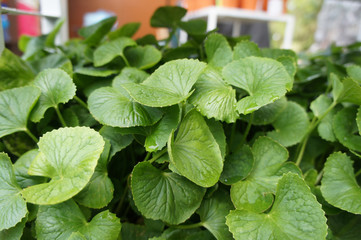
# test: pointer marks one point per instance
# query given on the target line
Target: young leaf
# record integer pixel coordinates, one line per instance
(50, 38)
(53, 61)
(290, 125)
(194, 26)
(187, 151)
(296, 214)
(339, 186)
(99, 190)
(265, 80)
(65, 154)
(167, 17)
(237, 166)
(143, 57)
(14, 233)
(21, 167)
(110, 107)
(164, 195)
(246, 49)
(354, 72)
(108, 51)
(289, 63)
(62, 220)
(160, 132)
(320, 105)
(118, 140)
(15, 107)
(14, 72)
(93, 34)
(12, 205)
(218, 51)
(255, 192)
(56, 87)
(168, 85)
(346, 91)
(345, 128)
(214, 98)
(213, 212)
(127, 30)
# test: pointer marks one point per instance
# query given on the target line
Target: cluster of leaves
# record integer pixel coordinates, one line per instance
(214, 139)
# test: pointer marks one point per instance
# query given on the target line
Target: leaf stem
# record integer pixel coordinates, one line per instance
(122, 198)
(147, 157)
(60, 116)
(125, 60)
(158, 155)
(248, 128)
(27, 131)
(172, 33)
(188, 226)
(81, 102)
(319, 177)
(358, 173)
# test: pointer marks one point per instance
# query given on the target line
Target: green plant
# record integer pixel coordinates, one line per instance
(215, 138)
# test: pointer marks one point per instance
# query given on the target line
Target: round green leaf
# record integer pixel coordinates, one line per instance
(128, 75)
(347, 91)
(345, 128)
(99, 190)
(194, 26)
(295, 215)
(255, 192)
(108, 51)
(214, 98)
(55, 60)
(195, 152)
(168, 85)
(213, 212)
(290, 125)
(289, 64)
(127, 30)
(218, 51)
(12, 205)
(246, 49)
(56, 87)
(58, 222)
(21, 167)
(110, 107)
(15, 107)
(14, 72)
(143, 57)
(164, 195)
(167, 16)
(266, 80)
(354, 72)
(68, 156)
(14, 233)
(339, 186)
(237, 166)
(117, 139)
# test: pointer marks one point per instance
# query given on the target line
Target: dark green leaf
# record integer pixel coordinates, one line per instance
(167, 16)
(127, 30)
(93, 34)
(143, 57)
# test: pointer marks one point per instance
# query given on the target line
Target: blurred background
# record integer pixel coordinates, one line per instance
(317, 23)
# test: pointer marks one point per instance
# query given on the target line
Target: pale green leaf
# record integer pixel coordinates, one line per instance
(291, 125)
(167, 16)
(214, 98)
(265, 80)
(255, 192)
(14, 72)
(58, 222)
(339, 186)
(12, 205)
(195, 152)
(168, 85)
(127, 30)
(99, 190)
(346, 130)
(164, 195)
(246, 49)
(77, 236)
(289, 64)
(68, 156)
(295, 215)
(337, 87)
(14, 233)
(320, 105)
(237, 166)
(110, 50)
(117, 138)
(346, 91)
(213, 212)
(15, 107)
(93, 34)
(218, 51)
(143, 57)
(159, 133)
(56, 87)
(21, 167)
(354, 72)
(110, 107)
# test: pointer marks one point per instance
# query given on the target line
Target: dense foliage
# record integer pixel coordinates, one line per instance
(107, 137)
